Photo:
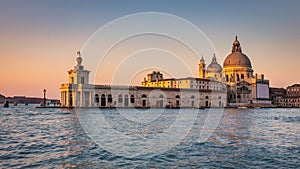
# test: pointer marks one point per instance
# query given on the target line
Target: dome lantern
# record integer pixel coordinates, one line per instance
(236, 46)
(214, 59)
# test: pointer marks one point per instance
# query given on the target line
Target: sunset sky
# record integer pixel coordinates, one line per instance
(39, 39)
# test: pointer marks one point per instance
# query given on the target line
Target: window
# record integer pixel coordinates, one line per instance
(144, 100)
(242, 76)
(244, 88)
(177, 100)
(96, 98)
(120, 98)
(126, 100)
(237, 77)
(103, 100)
(132, 99)
(109, 99)
(82, 80)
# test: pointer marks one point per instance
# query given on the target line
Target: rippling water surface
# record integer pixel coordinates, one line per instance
(54, 138)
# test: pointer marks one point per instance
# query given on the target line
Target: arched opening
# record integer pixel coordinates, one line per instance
(220, 101)
(126, 101)
(120, 99)
(144, 100)
(242, 76)
(192, 101)
(206, 101)
(132, 99)
(96, 99)
(103, 100)
(109, 98)
(160, 102)
(177, 101)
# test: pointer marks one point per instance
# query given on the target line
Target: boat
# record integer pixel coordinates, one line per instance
(243, 107)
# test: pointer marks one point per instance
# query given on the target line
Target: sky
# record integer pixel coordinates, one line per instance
(39, 39)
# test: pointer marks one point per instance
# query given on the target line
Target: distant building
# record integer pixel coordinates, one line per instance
(293, 91)
(19, 99)
(28, 100)
(292, 98)
(276, 94)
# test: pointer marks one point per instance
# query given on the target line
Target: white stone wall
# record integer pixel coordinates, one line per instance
(88, 96)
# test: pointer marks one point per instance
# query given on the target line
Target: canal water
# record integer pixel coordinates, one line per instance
(56, 138)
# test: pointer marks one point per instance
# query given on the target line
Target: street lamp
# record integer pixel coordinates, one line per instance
(44, 97)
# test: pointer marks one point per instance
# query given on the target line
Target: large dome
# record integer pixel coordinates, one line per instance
(237, 58)
(214, 67)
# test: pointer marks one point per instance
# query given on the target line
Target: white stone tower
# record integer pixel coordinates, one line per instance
(78, 75)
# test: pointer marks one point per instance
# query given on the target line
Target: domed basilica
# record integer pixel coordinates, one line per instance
(243, 87)
(233, 85)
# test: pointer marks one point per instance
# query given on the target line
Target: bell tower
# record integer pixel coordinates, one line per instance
(202, 68)
(78, 75)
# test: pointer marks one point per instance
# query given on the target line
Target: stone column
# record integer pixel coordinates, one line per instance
(82, 99)
(74, 94)
(67, 98)
(61, 97)
(90, 103)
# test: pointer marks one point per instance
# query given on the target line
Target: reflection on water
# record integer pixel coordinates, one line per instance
(250, 138)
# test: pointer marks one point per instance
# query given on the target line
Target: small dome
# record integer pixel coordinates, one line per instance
(237, 58)
(214, 67)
